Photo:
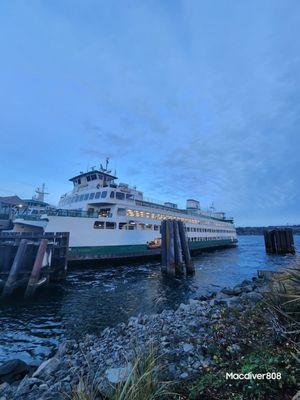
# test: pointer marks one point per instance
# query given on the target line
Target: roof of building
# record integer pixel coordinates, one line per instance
(12, 201)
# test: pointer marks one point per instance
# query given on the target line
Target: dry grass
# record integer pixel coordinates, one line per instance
(283, 300)
(142, 383)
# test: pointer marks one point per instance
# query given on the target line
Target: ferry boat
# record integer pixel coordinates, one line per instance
(110, 220)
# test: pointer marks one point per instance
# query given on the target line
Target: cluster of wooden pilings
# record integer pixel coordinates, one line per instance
(279, 241)
(175, 252)
(29, 261)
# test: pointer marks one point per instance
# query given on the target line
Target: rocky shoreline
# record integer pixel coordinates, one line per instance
(181, 338)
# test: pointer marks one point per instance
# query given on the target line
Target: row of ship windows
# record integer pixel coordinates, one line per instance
(147, 214)
(204, 239)
(98, 195)
(143, 214)
(134, 225)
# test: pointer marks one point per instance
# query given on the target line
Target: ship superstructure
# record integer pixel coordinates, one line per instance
(106, 217)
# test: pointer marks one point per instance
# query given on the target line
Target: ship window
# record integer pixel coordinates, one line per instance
(129, 197)
(100, 176)
(121, 211)
(122, 225)
(112, 195)
(79, 181)
(97, 195)
(99, 225)
(86, 196)
(132, 225)
(103, 194)
(120, 196)
(110, 225)
(88, 178)
(142, 226)
(93, 177)
(156, 227)
(148, 226)
(77, 198)
(104, 212)
(92, 195)
(81, 197)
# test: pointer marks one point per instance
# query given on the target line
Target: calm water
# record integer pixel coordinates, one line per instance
(92, 299)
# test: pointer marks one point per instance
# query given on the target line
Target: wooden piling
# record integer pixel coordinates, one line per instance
(170, 249)
(279, 241)
(179, 264)
(36, 270)
(13, 274)
(186, 251)
(163, 247)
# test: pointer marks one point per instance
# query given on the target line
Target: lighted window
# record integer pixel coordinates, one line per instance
(99, 225)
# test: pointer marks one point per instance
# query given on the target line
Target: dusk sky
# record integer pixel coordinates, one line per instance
(189, 99)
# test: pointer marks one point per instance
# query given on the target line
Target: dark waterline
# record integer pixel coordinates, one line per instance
(92, 299)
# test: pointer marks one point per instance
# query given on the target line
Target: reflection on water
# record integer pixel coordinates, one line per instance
(91, 298)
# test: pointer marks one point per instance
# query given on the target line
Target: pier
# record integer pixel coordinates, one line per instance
(30, 260)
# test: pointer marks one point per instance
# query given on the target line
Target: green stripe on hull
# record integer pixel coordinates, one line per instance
(137, 249)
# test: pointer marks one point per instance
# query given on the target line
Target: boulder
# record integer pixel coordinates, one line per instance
(13, 370)
(47, 368)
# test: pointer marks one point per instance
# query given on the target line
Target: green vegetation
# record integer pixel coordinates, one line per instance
(269, 337)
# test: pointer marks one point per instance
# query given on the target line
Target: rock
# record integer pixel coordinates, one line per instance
(247, 288)
(297, 396)
(13, 370)
(253, 296)
(44, 386)
(234, 348)
(116, 375)
(4, 387)
(184, 375)
(246, 282)
(184, 307)
(232, 291)
(47, 367)
(187, 347)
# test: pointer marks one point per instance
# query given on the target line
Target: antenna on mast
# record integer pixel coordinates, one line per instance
(40, 193)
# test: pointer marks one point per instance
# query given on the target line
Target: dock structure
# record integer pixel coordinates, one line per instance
(279, 241)
(176, 258)
(31, 260)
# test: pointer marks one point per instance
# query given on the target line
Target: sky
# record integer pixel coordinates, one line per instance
(189, 99)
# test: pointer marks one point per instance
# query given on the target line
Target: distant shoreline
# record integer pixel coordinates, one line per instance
(259, 230)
